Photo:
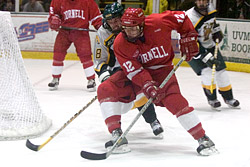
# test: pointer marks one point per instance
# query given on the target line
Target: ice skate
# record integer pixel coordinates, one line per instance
(157, 129)
(233, 103)
(91, 87)
(206, 146)
(53, 85)
(122, 146)
(215, 104)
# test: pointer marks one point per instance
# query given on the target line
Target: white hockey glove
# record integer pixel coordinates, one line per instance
(104, 76)
(209, 59)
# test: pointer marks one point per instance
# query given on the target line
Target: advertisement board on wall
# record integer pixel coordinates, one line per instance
(35, 35)
(235, 46)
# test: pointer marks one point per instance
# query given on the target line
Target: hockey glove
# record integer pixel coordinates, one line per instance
(209, 59)
(189, 46)
(216, 33)
(55, 23)
(152, 91)
(104, 76)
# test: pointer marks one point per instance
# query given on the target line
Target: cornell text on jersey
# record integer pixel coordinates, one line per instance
(74, 13)
(154, 53)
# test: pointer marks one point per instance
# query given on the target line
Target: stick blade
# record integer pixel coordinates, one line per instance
(32, 146)
(93, 156)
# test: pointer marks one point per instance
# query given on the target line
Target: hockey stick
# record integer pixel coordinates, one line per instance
(74, 28)
(214, 66)
(39, 147)
(101, 156)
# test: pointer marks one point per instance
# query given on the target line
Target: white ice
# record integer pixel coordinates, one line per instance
(229, 128)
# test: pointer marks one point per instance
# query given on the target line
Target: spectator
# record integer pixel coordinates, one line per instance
(239, 13)
(185, 5)
(46, 5)
(246, 9)
(2, 5)
(239, 9)
(33, 6)
(23, 2)
(149, 7)
(9, 6)
(231, 11)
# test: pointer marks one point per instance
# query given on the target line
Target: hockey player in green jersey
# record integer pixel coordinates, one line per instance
(203, 17)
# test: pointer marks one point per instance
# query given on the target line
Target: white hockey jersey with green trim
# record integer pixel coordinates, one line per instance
(103, 50)
(204, 25)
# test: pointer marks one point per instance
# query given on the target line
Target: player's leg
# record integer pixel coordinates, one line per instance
(223, 82)
(62, 43)
(206, 78)
(205, 74)
(115, 98)
(149, 115)
(83, 49)
(225, 89)
(185, 114)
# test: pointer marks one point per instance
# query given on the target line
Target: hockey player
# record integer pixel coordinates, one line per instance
(203, 18)
(77, 14)
(106, 65)
(145, 54)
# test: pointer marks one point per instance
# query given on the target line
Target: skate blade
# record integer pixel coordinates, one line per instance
(120, 150)
(238, 107)
(159, 136)
(209, 151)
(91, 89)
(53, 88)
(216, 109)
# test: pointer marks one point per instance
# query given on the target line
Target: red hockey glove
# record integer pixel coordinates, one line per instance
(152, 91)
(189, 46)
(216, 33)
(55, 23)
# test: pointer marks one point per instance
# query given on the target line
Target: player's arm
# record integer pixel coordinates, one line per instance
(54, 15)
(95, 16)
(188, 41)
(126, 54)
(100, 59)
(179, 21)
(217, 33)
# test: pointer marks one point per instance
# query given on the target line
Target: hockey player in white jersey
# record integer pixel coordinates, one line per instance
(203, 17)
(105, 64)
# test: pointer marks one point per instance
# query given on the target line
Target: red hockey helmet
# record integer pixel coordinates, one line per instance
(133, 17)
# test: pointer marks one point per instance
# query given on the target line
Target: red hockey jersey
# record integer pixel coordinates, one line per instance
(140, 60)
(76, 13)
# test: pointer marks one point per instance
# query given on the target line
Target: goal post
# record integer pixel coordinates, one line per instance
(21, 116)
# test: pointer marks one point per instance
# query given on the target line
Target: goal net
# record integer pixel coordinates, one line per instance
(21, 116)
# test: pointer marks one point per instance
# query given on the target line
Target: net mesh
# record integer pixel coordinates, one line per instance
(21, 116)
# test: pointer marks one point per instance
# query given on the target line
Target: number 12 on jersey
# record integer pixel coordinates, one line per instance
(128, 65)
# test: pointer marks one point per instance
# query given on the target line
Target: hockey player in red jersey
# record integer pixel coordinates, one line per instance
(106, 65)
(145, 54)
(76, 14)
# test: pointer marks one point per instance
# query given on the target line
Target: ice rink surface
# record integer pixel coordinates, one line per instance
(229, 128)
